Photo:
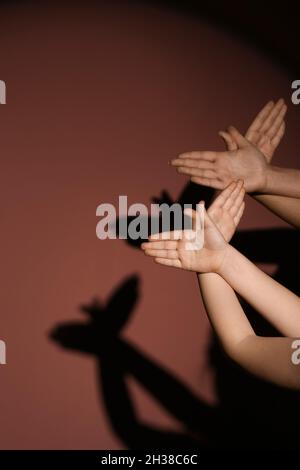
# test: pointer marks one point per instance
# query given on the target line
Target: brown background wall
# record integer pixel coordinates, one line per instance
(98, 100)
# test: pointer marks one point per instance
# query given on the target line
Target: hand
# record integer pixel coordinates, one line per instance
(227, 209)
(242, 160)
(268, 128)
(265, 132)
(170, 248)
(218, 169)
(219, 224)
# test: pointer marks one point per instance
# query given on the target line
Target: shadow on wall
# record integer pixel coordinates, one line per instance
(250, 414)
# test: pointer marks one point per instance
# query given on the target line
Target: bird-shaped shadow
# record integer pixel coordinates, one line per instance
(250, 414)
(190, 196)
(117, 359)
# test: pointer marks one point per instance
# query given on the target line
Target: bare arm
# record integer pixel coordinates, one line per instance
(282, 182)
(287, 208)
(249, 158)
(223, 270)
(276, 303)
(272, 300)
(267, 358)
(266, 132)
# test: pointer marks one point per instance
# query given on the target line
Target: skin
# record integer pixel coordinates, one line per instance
(249, 158)
(266, 133)
(221, 271)
(170, 248)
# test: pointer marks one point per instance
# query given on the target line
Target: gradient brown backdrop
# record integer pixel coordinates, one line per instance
(98, 100)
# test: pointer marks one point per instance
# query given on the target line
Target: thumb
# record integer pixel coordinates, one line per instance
(229, 141)
(208, 223)
(204, 219)
(238, 137)
(197, 215)
(192, 214)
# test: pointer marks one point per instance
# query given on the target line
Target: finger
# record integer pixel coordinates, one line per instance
(160, 245)
(209, 182)
(174, 235)
(231, 199)
(253, 136)
(193, 163)
(170, 254)
(207, 220)
(192, 214)
(196, 172)
(277, 138)
(263, 139)
(238, 201)
(272, 116)
(259, 120)
(238, 216)
(196, 218)
(224, 195)
(275, 126)
(203, 155)
(175, 263)
(208, 223)
(229, 142)
(238, 137)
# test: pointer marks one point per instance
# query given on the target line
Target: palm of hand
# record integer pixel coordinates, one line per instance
(223, 220)
(205, 259)
(207, 248)
(248, 164)
(268, 128)
(264, 145)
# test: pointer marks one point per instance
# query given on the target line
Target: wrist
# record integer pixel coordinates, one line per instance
(223, 260)
(226, 263)
(263, 180)
(271, 174)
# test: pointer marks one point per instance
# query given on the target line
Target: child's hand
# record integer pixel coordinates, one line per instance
(268, 128)
(242, 160)
(171, 249)
(218, 169)
(227, 209)
(265, 132)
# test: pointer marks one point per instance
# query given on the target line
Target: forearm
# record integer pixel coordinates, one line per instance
(276, 303)
(267, 358)
(224, 311)
(287, 208)
(282, 182)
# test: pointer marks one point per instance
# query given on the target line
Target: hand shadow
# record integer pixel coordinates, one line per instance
(191, 195)
(251, 413)
(118, 359)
